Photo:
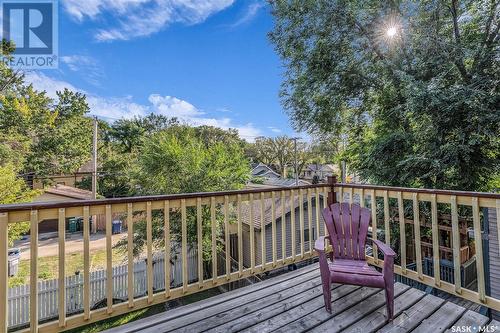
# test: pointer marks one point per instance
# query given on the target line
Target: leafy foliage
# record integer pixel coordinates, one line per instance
(417, 109)
(183, 159)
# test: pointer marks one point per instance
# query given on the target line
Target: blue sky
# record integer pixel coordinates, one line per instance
(207, 62)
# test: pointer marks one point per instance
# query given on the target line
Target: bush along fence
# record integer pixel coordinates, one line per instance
(48, 290)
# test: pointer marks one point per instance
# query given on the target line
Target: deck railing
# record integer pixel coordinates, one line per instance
(262, 243)
(424, 205)
(185, 219)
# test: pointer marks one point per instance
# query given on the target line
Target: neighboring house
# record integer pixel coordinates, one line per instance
(264, 171)
(264, 176)
(59, 193)
(267, 228)
(277, 182)
(321, 170)
(492, 257)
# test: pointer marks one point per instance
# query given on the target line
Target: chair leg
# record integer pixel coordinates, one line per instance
(389, 300)
(327, 295)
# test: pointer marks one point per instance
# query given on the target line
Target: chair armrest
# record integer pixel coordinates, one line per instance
(319, 245)
(386, 250)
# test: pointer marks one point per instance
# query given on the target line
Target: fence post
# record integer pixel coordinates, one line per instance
(332, 196)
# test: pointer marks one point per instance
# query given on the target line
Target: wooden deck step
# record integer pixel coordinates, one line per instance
(358, 311)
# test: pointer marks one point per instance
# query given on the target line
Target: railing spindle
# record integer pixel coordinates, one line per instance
(283, 227)
(435, 241)
(341, 194)
(325, 204)
(273, 226)
(309, 220)
(184, 246)
(4, 285)
(318, 227)
(226, 238)
(456, 244)
(374, 224)
(362, 198)
(130, 255)
(240, 236)
(252, 234)
(34, 272)
(263, 231)
(166, 220)
(109, 261)
(293, 227)
(386, 219)
(418, 246)
(61, 228)
(149, 241)
(497, 202)
(213, 220)
(199, 236)
(351, 198)
(402, 233)
(478, 240)
(86, 262)
(301, 221)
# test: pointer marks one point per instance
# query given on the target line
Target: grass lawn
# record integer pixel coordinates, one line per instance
(48, 267)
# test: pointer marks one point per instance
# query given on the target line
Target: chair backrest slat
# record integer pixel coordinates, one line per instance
(347, 228)
(339, 230)
(355, 213)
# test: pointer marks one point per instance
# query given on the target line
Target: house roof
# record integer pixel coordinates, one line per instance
(322, 167)
(261, 170)
(245, 210)
(69, 192)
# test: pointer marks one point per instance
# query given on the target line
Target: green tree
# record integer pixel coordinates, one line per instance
(183, 159)
(417, 107)
(14, 190)
(280, 153)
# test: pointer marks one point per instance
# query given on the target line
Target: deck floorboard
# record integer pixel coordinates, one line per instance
(293, 302)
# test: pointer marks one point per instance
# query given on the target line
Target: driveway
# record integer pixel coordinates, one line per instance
(48, 245)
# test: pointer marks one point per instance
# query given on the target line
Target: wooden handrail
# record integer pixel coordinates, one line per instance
(224, 215)
(111, 201)
(454, 199)
(420, 190)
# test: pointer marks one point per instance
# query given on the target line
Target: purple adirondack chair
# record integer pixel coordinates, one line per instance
(347, 230)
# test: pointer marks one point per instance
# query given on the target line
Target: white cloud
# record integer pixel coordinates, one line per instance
(173, 107)
(86, 66)
(274, 129)
(250, 13)
(139, 18)
(112, 108)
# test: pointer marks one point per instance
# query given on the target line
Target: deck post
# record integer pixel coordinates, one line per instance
(332, 196)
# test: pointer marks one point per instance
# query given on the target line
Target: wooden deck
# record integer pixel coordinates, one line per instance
(293, 302)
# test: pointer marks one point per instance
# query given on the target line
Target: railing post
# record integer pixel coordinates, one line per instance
(332, 196)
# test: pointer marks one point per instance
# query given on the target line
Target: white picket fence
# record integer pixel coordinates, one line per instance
(19, 297)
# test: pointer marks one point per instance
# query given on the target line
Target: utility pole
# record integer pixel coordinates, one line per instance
(295, 161)
(94, 160)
